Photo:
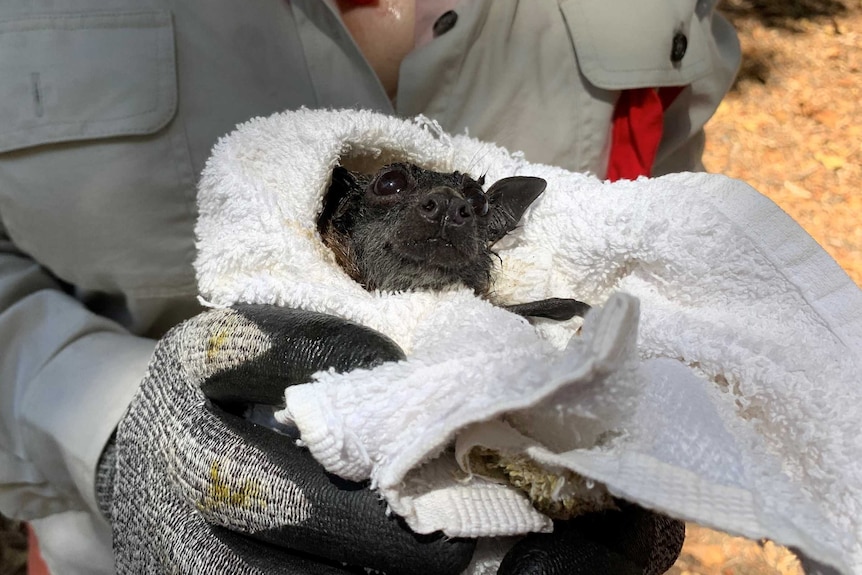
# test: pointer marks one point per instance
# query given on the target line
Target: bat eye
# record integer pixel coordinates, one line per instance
(477, 200)
(391, 182)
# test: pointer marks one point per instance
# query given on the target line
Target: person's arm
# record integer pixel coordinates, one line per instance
(66, 376)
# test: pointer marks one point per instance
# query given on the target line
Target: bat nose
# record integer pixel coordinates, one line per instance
(445, 203)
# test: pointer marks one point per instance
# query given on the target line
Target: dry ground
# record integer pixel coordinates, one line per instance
(13, 548)
(792, 128)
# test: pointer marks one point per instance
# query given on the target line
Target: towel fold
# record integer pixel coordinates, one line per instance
(717, 378)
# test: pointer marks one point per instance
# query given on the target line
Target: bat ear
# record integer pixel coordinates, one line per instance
(508, 199)
(335, 200)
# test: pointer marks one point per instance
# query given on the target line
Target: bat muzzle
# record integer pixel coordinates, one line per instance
(445, 206)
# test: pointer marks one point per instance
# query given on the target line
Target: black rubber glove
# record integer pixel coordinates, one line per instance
(630, 541)
(193, 487)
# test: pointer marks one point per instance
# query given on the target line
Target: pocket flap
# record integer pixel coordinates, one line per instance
(82, 76)
(622, 44)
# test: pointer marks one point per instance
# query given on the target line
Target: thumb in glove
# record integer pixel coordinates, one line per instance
(199, 489)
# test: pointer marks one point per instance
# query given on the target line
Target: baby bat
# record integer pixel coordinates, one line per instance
(408, 228)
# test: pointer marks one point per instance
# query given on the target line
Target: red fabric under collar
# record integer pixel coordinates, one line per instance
(637, 130)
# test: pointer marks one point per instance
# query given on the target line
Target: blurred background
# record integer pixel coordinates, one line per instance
(792, 125)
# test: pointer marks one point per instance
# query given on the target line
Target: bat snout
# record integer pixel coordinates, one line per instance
(444, 205)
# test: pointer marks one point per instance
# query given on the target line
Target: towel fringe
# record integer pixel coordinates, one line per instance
(434, 128)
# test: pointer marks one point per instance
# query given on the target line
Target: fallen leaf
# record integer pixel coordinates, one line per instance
(828, 118)
(797, 190)
(751, 125)
(829, 161)
(708, 556)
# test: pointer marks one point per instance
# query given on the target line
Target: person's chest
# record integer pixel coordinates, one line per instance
(109, 112)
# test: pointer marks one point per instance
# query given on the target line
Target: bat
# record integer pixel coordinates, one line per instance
(408, 228)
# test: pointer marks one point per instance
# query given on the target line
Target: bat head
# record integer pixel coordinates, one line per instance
(408, 228)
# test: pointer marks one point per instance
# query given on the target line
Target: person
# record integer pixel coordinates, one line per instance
(110, 108)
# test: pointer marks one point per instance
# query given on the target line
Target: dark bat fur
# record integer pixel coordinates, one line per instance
(408, 228)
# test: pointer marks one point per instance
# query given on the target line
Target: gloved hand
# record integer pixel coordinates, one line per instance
(192, 486)
(628, 541)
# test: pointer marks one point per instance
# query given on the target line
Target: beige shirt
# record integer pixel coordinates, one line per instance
(108, 110)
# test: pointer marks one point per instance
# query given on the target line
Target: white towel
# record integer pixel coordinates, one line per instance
(717, 380)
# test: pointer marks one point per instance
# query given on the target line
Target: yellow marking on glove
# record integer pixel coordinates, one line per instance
(215, 343)
(222, 492)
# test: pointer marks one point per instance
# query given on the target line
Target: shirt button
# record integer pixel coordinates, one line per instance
(678, 47)
(445, 23)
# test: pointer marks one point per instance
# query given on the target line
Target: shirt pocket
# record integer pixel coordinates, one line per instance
(96, 180)
(60, 84)
(622, 44)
